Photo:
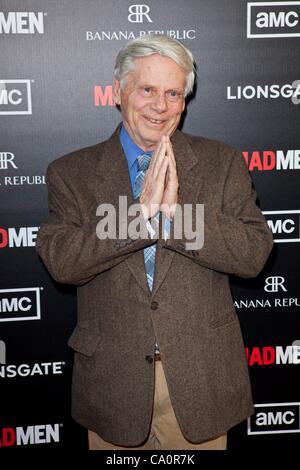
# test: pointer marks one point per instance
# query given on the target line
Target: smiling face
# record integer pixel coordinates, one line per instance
(152, 99)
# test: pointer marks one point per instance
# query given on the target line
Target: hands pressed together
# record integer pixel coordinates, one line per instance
(160, 188)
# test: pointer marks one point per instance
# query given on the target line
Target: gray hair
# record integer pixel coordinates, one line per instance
(155, 44)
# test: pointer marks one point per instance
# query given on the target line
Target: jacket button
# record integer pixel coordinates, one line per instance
(149, 359)
(154, 305)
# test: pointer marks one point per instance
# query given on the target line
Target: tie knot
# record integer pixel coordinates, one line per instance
(143, 161)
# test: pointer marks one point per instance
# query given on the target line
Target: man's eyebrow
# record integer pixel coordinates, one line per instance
(148, 85)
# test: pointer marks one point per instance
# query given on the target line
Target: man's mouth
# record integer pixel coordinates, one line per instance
(154, 121)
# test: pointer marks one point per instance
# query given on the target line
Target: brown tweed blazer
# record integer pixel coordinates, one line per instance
(190, 310)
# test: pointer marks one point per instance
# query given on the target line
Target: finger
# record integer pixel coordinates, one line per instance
(160, 160)
(171, 152)
(155, 156)
(172, 169)
(163, 172)
(151, 175)
(157, 149)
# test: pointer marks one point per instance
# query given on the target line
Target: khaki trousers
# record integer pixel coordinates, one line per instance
(165, 433)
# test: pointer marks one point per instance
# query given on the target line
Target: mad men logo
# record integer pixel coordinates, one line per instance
(285, 225)
(273, 355)
(103, 95)
(28, 435)
(274, 418)
(267, 160)
(20, 304)
(139, 13)
(15, 97)
(18, 237)
(21, 22)
(7, 161)
(273, 19)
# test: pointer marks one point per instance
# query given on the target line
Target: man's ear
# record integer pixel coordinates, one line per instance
(117, 92)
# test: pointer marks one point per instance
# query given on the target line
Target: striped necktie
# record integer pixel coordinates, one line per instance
(143, 162)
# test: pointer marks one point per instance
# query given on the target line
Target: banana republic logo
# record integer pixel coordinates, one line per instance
(137, 13)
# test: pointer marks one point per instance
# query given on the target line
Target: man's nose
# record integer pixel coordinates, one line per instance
(160, 103)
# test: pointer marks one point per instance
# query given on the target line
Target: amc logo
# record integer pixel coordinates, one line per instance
(274, 418)
(20, 304)
(15, 97)
(285, 225)
(273, 19)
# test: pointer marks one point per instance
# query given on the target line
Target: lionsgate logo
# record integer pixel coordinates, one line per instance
(274, 418)
(285, 225)
(273, 19)
(20, 304)
(22, 22)
(2, 352)
(256, 92)
(15, 97)
(24, 370)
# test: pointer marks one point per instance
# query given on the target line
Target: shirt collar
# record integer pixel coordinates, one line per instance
(131, 150)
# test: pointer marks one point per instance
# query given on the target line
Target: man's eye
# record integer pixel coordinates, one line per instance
(174, 94)
(147, 90)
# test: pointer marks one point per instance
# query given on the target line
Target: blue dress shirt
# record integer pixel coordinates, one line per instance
(132, 151)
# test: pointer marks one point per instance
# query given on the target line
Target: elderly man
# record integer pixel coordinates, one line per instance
(159, 358)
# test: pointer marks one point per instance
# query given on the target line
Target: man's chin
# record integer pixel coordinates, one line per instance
(154, 136)
(150, 139)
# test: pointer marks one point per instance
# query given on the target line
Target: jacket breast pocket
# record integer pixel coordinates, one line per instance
(223, 319)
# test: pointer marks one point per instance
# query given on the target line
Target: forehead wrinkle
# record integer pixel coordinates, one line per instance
(151, 75)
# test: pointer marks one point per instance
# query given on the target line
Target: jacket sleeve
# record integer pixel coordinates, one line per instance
(70, 249)
(237, 239)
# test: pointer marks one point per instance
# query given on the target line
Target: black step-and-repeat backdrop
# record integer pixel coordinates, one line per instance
(56, 68)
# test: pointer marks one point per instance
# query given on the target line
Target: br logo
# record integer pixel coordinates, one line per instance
(273, 283)
(137, 13)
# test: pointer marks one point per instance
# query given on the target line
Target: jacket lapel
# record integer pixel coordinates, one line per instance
(189, 187)
(115, 181)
